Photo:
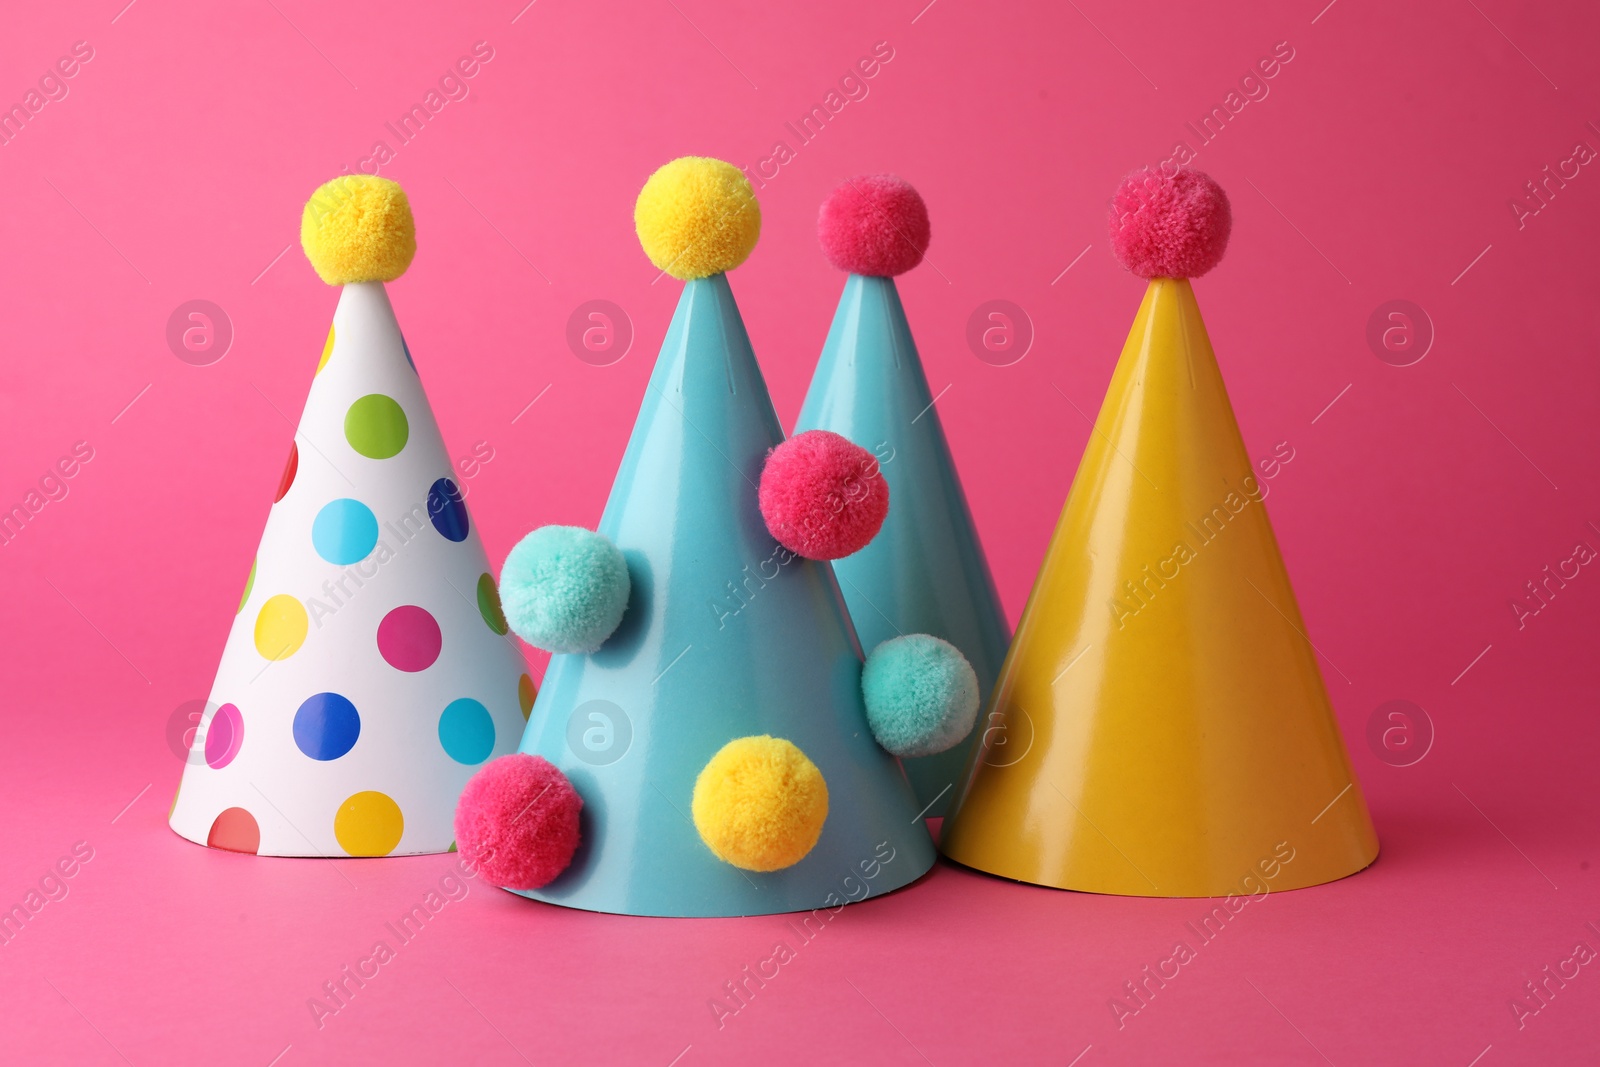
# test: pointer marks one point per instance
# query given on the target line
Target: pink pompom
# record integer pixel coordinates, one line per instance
(517, 821)
(875, 224)
(1169, 226)
(823, 497)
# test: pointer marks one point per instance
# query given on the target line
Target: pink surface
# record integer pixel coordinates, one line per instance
(1383, 162)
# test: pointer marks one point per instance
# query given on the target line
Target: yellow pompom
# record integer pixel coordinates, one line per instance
(697, 217)
(760, 803)
(358, 228)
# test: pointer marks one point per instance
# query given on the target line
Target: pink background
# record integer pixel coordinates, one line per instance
(1417, 506)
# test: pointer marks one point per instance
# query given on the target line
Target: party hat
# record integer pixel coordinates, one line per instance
(1160, 726)
(707, 703)
(926, 571)
(367, 673)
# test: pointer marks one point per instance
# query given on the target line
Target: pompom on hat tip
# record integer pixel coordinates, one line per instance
(1169, 225)
(358, 228)
(696, 217)
(874, 224)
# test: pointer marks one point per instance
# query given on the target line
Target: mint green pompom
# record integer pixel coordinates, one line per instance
(564, 589)
(921, 695)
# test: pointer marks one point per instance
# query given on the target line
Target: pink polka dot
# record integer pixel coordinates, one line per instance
(224, 736)
(409, 638)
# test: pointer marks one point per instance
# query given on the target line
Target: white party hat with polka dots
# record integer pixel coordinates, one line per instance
(368, 673)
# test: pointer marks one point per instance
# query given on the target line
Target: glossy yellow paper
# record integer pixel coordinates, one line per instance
(1160, 726)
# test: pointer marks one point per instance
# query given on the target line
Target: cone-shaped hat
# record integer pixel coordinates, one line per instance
(735, 665)
(366, 675)
(1160, 726)
(925, 572)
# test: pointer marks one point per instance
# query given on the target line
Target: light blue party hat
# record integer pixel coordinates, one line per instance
(705, 700)
(726, 635)
(925, 572)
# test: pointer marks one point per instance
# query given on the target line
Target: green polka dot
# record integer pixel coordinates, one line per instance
(489, 605)
(376, 426)
(249, 584)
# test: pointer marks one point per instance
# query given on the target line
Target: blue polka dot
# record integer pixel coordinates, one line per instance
(407, 349)
(344, 531)
(466, 731)
(326, 726)
(448, 510)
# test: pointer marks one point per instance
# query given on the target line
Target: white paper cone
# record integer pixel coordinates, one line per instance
(367, 675)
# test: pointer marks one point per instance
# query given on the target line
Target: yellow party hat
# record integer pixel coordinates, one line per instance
(1160, 726)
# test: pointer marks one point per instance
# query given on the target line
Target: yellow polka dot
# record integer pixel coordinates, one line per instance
(368, 824)
(280, 627)
(327, 350)
(760, 803)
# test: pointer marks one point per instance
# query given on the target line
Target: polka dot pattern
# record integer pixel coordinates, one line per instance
(489, 605)
(324, 536)
(344, 531)
(448, 510)
(291, 467)
(281, 627)
(224, 737)
(235, 830)
(368, 824)
(466, 731)
(326, 726)
(376, 426)
(409, 638)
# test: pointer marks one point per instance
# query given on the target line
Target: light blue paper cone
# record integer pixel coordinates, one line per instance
(925, 572)
(721, 640)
